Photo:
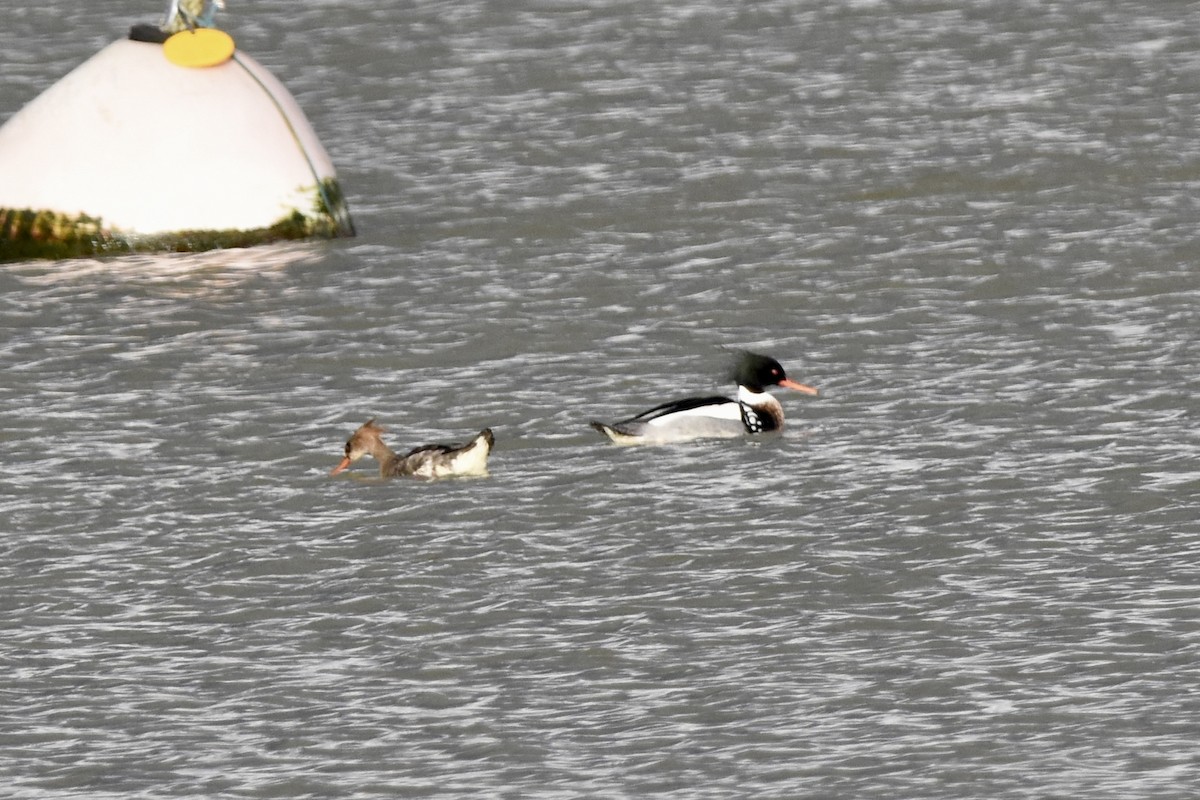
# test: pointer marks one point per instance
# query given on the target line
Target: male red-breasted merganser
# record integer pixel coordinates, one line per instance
(754, 411)
(429, 461)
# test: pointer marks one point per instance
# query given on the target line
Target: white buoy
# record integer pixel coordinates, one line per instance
(133, 152)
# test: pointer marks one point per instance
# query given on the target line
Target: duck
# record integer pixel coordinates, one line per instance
(427, 461)
(753, 411)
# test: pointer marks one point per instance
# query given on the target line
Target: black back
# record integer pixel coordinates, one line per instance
(686, 404)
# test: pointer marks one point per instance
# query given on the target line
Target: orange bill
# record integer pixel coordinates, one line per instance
(799, 387)
(340, 467)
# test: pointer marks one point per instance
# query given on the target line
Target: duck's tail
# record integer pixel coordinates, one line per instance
(616, 434)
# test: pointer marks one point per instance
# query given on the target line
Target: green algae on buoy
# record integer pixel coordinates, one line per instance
(134, 151)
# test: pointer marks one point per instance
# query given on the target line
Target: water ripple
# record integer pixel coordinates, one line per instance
(965, 569)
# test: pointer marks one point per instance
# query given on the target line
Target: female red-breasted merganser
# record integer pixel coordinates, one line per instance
(754, 411)
(429, 461)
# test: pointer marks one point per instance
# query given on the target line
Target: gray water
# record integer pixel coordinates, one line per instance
(968, 569)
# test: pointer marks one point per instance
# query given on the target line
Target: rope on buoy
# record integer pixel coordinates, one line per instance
(337, 211)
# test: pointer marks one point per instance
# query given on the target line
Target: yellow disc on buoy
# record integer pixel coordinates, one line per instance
(202, 47)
